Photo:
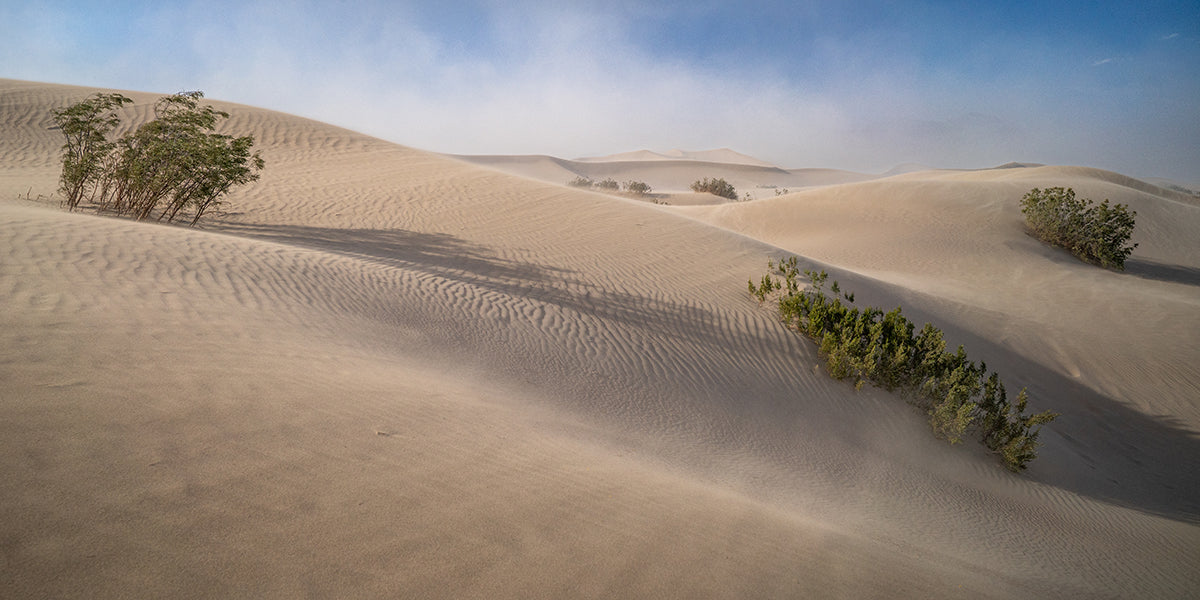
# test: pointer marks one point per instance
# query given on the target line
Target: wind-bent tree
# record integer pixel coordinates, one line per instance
(86, 126)
(173, 163)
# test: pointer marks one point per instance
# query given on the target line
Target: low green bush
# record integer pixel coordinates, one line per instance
(716, 187)
(884, 349)
(637, 188)
(1095, 233)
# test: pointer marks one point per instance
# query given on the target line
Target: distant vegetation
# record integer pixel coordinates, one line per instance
(869, 345)
(1095, 233)
(716, 187)
(172, 165)
(637, 188)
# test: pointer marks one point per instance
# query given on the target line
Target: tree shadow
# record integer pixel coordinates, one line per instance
(450, 257)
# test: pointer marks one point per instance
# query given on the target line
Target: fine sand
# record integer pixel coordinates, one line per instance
(390, 373)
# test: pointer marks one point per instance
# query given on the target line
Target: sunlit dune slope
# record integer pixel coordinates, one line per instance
(385, 372)
(960, 236)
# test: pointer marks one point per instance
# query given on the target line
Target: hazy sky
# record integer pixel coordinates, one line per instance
(855, 85)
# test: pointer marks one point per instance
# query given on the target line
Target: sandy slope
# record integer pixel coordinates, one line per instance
(960, 236)
(387, 372)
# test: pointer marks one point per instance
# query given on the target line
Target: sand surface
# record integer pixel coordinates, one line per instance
(391, 373)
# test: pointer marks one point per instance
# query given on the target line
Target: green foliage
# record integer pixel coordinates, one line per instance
(581, 182)
(716, 187)
(609, 184)
(1094, 233)
(637, 188)
(885, 349)
(86, 125)
(173, 163)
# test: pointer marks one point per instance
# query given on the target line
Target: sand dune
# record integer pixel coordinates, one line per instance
(669, 175)
(386, 372)
(720, 155)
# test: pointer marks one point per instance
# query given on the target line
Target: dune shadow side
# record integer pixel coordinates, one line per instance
(1159, 271)
(1100, 448)
(1149, 461)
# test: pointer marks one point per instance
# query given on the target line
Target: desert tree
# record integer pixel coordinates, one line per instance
(174, 163)
(86, 125)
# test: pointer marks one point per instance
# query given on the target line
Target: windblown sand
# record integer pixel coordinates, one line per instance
(390, 373)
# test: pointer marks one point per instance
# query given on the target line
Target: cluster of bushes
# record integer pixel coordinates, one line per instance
(637, 188)
(716, 187)
(171, 165)
(884, 349)
(1094, 233)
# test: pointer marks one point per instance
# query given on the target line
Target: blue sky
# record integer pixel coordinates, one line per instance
(855, 85)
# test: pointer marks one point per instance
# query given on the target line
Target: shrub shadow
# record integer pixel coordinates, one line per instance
(1100, 447)
(1159, 271)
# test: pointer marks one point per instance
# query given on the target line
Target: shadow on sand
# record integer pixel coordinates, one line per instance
(1100, 447)
(1149, 269)
(453, 258)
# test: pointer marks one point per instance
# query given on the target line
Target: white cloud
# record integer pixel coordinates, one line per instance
(576, 81)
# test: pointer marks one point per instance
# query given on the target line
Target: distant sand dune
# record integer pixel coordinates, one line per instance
(386, 372)
(721, 155)
(666, 174)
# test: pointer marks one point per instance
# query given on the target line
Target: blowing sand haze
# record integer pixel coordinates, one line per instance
(385, 372)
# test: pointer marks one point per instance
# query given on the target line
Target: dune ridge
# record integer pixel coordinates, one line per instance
(719, 155)
(665, 174)
(385, 371)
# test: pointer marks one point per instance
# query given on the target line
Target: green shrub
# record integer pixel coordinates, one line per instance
(86, 125)
(716, 187)
(637, 188)
(172, 163)
(1095, 233)
(881, 348)
(581, 182)
(609, 184)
